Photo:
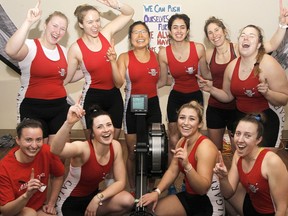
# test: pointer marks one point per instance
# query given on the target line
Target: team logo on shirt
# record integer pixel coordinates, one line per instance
(62, 72)
(249, 92)
(190, 70)
(253, 188)
(153, 72)
(24, 185)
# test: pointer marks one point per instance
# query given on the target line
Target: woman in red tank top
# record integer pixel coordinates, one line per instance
(195, 156)
(94, 54)
(91, 162)
(257, 82)
(261, 172)
(220, 115)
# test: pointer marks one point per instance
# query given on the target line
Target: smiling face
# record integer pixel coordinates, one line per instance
(188, 122)
(248, 41)
(30, 143)
(179, 31)
(55, 29)
(139, 36)
(103, 129)
(246, 138)
(91, 23)
(216, 34)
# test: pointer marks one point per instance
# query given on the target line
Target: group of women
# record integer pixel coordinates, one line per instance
(251, 77)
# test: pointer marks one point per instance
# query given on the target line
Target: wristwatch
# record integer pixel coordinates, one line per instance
(100, 196)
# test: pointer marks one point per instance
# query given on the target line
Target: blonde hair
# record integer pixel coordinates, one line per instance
(193, 105)
(56, 13)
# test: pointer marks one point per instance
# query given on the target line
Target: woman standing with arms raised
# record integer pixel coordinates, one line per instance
(94, 53)
(42, 95)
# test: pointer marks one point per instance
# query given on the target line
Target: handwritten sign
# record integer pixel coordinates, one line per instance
(156, 16)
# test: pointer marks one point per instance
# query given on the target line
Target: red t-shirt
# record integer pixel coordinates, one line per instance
(14, 175)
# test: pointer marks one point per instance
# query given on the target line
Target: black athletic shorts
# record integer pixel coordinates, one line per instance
(177, 99)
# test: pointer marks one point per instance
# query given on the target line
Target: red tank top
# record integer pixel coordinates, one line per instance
(92, 173)
(97, 70)
(256, 185)
(217, 71)
(46, 75)
(184, 73)
(248, 99)
(193, 162)
(142, 78)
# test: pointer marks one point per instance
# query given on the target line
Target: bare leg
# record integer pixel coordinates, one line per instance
(237, 199)
(170, 206)
(117, 132)
(119, 204)
(131, 140)
(216, 136)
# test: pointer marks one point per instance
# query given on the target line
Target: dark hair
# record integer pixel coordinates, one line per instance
(28, 123)
(56, 13)
(193, 105)
(261, 50)
(216, 21)
(183, 17)
(82, 10)
(257, 119)
(95, 111)
(131, 27)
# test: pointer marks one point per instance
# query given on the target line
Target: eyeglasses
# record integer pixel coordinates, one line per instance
(137, 32)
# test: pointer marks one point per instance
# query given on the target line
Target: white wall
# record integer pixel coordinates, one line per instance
(235, 13)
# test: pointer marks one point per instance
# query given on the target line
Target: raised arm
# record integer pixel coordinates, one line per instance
(59, 145)
(200, 179)
(15, 46)
(15, 206)
(278, 36)
(120, 21)
(228, 181)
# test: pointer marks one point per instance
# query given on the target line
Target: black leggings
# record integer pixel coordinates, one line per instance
(249, 210)
(195, 205)
(76, 206)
